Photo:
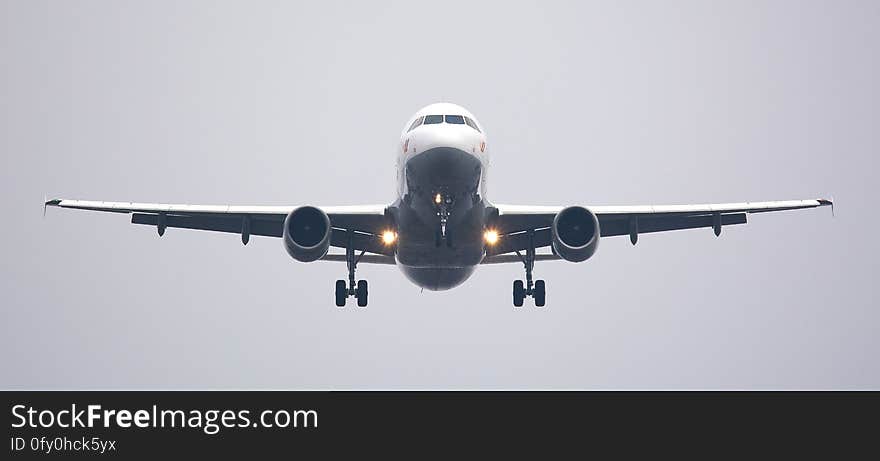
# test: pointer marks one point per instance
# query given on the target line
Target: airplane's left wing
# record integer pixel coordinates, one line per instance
(516, 224)
(367, 221)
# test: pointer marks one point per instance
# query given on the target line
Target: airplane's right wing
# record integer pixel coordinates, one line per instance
(365, 221)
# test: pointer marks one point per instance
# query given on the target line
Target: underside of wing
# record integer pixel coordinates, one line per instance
(363, 224)
(520, 226)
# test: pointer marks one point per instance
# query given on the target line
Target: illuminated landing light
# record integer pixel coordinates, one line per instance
(438, 199)
(388, 237)
(491, 237)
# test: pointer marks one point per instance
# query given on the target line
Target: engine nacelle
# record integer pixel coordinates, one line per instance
(575, 234)
(307, 234)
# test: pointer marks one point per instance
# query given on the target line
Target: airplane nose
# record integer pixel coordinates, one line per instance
(446, 135)
(444, 166)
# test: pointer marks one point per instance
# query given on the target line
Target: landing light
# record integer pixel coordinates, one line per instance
(491, 236)
(388, 237)
(438, 199)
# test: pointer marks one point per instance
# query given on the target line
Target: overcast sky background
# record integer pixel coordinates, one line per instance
(584, 103)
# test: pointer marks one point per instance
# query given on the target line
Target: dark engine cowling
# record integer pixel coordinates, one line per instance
(575, 234)
(307, 234)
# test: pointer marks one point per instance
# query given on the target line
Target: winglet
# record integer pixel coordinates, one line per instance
(47, 203)
(824, 202)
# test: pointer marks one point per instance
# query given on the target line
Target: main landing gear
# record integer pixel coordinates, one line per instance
(359, 289)
(536, 290)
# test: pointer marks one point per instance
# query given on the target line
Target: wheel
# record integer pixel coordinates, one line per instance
(540, 293)
(361, 293)
(341, 293)
(519, 293)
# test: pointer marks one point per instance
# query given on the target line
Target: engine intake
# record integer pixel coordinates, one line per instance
(307, 234)
(575, 234)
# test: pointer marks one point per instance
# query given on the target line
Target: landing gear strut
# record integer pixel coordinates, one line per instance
(443, 203)
(536, 290)
(359, 289)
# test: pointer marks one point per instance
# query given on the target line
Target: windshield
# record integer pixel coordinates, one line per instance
(433, 119)
(450, 119)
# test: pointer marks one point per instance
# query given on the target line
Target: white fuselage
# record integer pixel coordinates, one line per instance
(442, 163)
(428, 136)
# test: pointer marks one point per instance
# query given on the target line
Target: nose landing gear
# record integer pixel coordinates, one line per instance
(358, 290)
(536, 290)
(443, 202)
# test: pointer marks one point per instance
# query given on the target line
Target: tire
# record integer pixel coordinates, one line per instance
(519, 293)
(341, 293)
(361, 293)
(540, 293)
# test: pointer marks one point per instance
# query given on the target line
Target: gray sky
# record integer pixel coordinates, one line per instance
(584, 103)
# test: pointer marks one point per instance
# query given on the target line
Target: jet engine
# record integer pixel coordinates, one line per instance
(575, 234)
(307, 234)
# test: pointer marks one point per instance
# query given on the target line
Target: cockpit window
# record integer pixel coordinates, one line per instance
(437, 119)
(415, 124)
(471, 124)
(433, 119)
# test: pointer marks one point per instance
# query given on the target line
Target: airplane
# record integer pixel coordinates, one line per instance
(441, 225)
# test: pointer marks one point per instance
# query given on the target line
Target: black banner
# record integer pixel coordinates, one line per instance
(151, 424)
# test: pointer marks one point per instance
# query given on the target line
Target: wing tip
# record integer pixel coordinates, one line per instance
(827, 202)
